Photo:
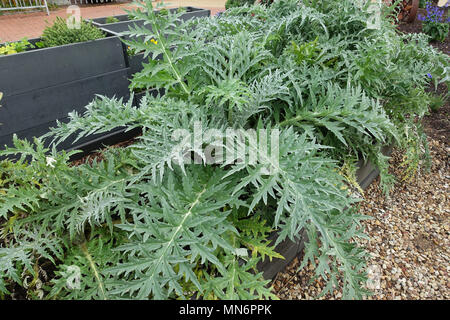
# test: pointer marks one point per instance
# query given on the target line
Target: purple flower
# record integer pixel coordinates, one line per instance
(434, 14)
(429, 75)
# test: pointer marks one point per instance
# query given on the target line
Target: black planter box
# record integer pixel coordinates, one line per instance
(41, 86)
(135, 63)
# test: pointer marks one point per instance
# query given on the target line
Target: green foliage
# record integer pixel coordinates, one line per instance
(307, 52)
(267, 2)
(157, 220)
(237, 3)
(436, 102)
(163, 12)
(82, 275)
(436, 30)
(15, 47)
(59, 33)
(111, 19)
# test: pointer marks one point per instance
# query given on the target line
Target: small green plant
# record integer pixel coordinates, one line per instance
(434, 23)
(238, 3)
(163, 12)
(111, 20)
(15, 47)
(307, 52)
(437, 101)
(60, 33)
(52, 6)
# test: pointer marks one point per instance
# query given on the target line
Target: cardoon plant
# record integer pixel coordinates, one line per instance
(435, 23)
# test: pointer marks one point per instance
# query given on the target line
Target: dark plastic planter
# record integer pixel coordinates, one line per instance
(135, 63)
(41, 86)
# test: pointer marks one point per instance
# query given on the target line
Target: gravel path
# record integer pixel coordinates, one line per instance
(408, 238)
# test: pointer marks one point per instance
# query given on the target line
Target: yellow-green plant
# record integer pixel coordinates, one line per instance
(15, 47)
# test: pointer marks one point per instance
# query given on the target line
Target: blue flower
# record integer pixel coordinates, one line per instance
(434, 14)
(429, 75)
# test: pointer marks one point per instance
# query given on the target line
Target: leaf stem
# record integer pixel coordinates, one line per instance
(94, 269)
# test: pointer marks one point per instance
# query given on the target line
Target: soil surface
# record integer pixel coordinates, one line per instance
(437, 124)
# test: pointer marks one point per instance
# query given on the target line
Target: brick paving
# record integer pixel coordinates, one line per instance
(15, 26)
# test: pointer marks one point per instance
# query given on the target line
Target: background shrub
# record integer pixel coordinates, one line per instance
(238, 3)
(59, 33)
